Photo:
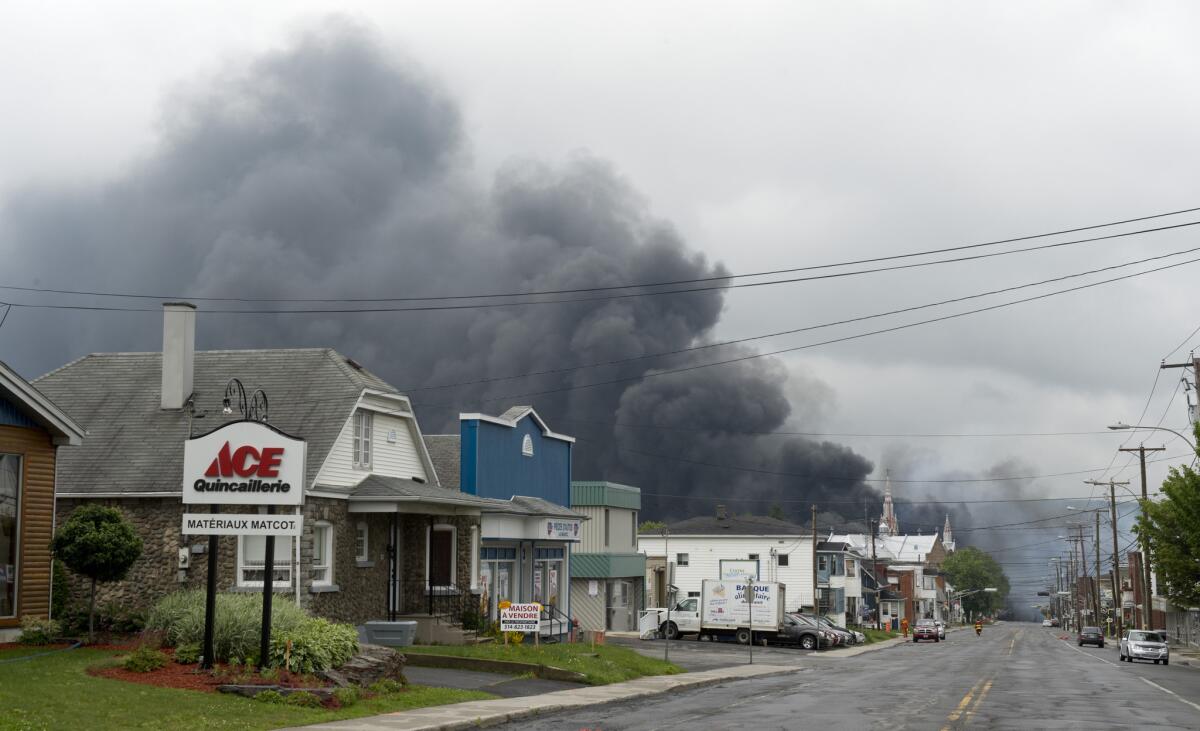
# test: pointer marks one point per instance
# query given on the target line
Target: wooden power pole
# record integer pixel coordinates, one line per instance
(1145, 577)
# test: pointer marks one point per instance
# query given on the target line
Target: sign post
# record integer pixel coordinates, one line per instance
(750, 610)
(242, 463)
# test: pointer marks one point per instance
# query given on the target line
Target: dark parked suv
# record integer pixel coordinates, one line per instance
(1091, 636)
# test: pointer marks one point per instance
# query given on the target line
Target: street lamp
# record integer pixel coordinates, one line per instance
(1121, 427)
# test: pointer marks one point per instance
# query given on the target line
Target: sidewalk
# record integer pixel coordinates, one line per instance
(474, 714)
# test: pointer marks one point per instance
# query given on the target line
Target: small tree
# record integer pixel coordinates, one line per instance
(97, 542)
(1172, 526)
(651, 526)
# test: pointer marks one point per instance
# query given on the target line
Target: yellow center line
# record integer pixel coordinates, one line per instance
(979, 700)
(966, 701)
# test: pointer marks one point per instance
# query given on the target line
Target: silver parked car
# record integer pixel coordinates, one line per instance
(1139, 644)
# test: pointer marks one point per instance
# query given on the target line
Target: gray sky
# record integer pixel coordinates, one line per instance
(767, 135)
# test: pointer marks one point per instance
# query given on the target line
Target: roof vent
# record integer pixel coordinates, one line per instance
(354, 364)
(418, 480)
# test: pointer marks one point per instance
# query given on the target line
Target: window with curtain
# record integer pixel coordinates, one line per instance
(364, 422)
(362, 549)
(322, 556)
(252, 551)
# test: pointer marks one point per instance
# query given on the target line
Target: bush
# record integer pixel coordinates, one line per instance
(144, 659)
(109, 618)
(315, 645)
(36, 631)
(302, 698)
(237, 626)
(60, 591)
(97, 542)
(386, 686)
(187, 653)
(347, 696)
(269, 696)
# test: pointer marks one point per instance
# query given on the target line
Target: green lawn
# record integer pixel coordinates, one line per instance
(55, 692)
(605, 664)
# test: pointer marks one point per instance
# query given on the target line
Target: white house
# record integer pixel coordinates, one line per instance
(706, 547)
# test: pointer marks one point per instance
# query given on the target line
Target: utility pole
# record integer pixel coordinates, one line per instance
(874, 573)
(816, 603)
(1117, 606)
(1145, 577)
(1096, 584)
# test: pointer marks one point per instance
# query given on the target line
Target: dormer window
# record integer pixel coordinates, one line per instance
(527, 446)
(364, 422)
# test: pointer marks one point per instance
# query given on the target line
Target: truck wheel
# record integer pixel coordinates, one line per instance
(808, 642)
(670, 630)
(742, 636)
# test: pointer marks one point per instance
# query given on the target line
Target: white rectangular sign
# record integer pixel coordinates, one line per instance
(254, 524)
(561, 529)
(733, 569)
(521, 618)
(244, 463)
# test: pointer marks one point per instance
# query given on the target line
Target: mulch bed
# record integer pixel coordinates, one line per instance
(191, 677)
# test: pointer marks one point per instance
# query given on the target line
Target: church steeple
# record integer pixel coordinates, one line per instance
(887, 522)
(947, 535)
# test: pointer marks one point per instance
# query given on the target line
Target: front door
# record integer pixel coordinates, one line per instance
(620, 618)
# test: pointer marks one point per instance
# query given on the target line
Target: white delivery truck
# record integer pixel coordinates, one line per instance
(723, 610)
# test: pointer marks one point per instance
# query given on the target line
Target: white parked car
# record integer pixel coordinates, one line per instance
(1139, 644)
(1047, 623)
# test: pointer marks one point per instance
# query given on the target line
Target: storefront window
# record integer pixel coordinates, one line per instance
(547, 575)
(10, 498)
(496, 574)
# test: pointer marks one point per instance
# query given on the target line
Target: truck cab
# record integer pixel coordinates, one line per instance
(685, 619)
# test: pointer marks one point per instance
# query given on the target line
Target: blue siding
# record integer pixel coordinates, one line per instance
(468, 465)
(10, 415)
(493, 465)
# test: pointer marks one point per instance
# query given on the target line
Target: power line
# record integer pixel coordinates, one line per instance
(790, 270)
(794, 331)
(838, 478)
(846, 338)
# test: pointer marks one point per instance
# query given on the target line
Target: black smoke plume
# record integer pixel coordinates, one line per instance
(333, 168)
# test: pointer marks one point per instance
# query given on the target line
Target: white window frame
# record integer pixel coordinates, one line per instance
(325, 527)
(453, 553)
(279, 565)
(362, 439)
(851, 569)
(362, 542)
(783, 559)
(16, 579)
(681, 559)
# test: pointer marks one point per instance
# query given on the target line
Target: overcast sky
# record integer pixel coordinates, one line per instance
(770, 135)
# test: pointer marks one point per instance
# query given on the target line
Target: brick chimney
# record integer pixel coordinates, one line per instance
(721, 512)
(179, 350)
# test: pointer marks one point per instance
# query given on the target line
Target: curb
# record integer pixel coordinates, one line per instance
(505, 667)
(475, 714)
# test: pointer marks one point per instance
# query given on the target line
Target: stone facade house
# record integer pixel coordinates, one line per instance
(383, 537)
(32, 428)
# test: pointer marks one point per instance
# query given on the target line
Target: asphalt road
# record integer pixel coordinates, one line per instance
(1016, 676)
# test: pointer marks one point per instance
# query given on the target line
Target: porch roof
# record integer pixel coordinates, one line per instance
(377, 488)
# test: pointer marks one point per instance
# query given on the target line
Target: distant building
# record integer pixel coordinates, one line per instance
(712, 547)
(608, 575)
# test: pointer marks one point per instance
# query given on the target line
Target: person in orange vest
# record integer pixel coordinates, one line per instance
(904, 626)
(978, 627)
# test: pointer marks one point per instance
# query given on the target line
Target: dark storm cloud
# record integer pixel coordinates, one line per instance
(330, 168)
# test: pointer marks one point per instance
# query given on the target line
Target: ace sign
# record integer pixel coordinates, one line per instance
(244, 463)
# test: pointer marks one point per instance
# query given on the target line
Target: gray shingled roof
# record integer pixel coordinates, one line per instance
(515, 412)
(377, 486)
(134, 446)
(752, 525)
(444, 452)
(385, 488)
